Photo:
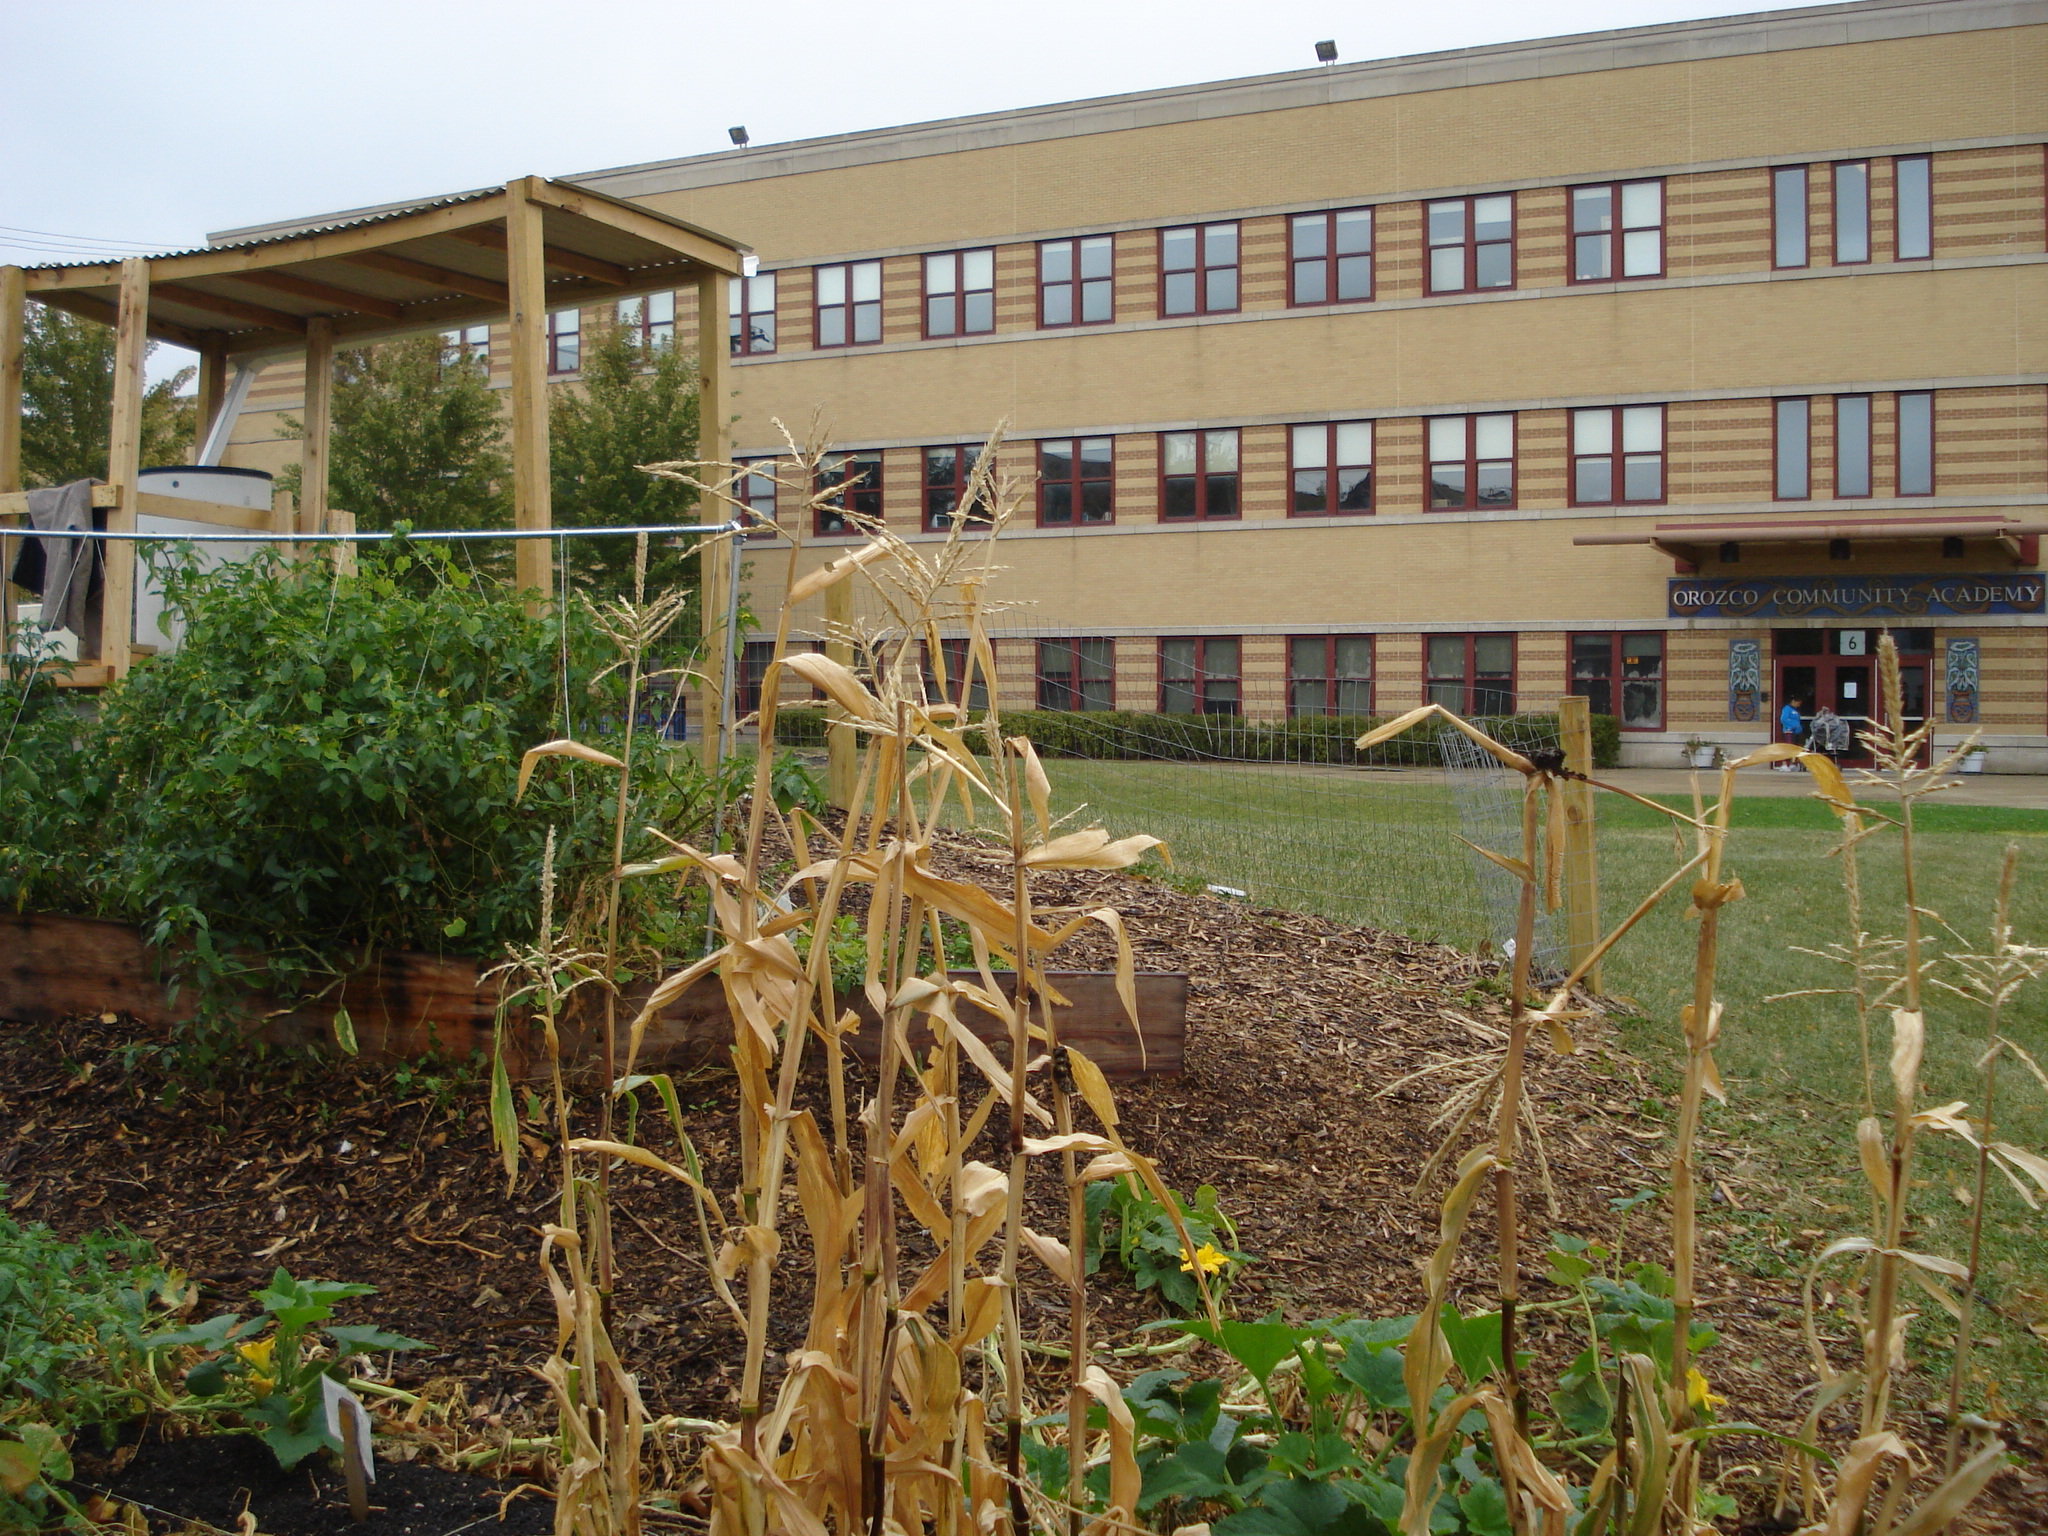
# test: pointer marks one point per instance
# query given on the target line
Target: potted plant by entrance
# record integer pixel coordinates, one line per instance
(1973, 761)
(1699, 752)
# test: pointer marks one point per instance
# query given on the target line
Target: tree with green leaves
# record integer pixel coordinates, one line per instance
(67, 402)
(634, 405)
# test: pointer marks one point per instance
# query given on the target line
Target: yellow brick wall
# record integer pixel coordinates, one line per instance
(1988, 202)
(1717, 221)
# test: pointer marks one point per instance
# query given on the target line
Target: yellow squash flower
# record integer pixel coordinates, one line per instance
(1209, 1256)
(261, 1379)
(1697, 1394)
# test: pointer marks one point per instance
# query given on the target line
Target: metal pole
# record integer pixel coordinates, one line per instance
(257, 536)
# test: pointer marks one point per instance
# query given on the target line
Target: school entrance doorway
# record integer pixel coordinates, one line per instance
(1837, 669)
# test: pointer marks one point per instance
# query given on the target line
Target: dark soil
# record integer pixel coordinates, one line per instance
(216, 1478)
(1297, 1027)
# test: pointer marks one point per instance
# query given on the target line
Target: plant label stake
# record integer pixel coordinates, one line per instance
(349, 1422)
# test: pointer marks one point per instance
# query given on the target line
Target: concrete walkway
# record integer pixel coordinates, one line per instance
(2024, 790)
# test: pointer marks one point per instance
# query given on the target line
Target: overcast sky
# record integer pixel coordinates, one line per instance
(136, 124)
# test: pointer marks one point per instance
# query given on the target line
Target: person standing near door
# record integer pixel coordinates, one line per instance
(1792, 728)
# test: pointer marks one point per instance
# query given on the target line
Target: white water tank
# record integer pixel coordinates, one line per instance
(248, 488)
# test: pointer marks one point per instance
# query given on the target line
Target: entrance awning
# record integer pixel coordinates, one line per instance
(1694, 539)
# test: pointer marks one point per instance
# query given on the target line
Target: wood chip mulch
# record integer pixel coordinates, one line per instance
(1296, 1026)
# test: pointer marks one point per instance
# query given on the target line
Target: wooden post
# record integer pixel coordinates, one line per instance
(13, 335)
(213, 393)
(124, 467)
(841, 748)
(319, 424)
(526, 275)
(718, 564)
(283, 519)
(339, 521)
(1581, 855)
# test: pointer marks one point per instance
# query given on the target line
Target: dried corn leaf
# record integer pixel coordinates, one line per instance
(2032, 1164)
(561, 748)
(1833, 787)
(1909, 1039)
(1942, 1506)
(837, 682)
(1094, 1087)
(1051, 1252)
(1860, 1471)
(1871, 1150)
(1516, 867)
(1776, 752)
(814, 582)
(1036, 785)
(1090, 849)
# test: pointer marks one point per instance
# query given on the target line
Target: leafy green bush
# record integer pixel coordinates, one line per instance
(1125, 1219)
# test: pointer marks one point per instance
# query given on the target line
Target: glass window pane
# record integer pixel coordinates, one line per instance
(1222, 289)
(939, 273)
(867, 281)
(1305, 658)
(938, 314)
(978, 269)
(1219, 245)
(1592, 656)
(1447, 656)
(1096, 501)
(1496, 483)
(1310, 234)
(1177, 250)
(1642, 429)
(831, 285)
(1593, 431)
(1096, 458)
(732, 295)
(1311, 488)
(1852, 445)
(941, 465)
(1450, 695)
(1098, 301)
(1642, 253)
(1309, 446)
(761, 292)
(1177, 452)
(1447, 269)
(1593, 480)
(1642, 204)
(1447, 222)
(1098, 658)
(1354, 231)
(1447, 485)
(1493, 218)
(1354, 655)
(1095, 256)
(1788, 209)
(1592, 210)
(1177, 658)
(1852, 212)
(1915, 211)
(979, 312)
(1494, 267)
(1057, 501)
(1590, 254)
(1354, 442)
(1219, 657)
(1354, 277)
(1311, 282)
(1354, 490)
(1916, 445)
(1493, 436)
(1056, 261)
(1059, 304)
(628, 315)
(1180, 293)
(1056, 459)
(1792, 450)
(1493, 655)
(1180, 496)
(867, 322)
(1307, 698)
(1446, 438)
(661, 308)
(1642, 655)
(1643, 477)
(1219, 451)
(1220, 493)
(1642, 703)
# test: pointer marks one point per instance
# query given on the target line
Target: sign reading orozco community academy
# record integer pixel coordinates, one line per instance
(1855, 597)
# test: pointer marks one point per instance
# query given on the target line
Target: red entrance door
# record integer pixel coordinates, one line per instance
(1848, 686)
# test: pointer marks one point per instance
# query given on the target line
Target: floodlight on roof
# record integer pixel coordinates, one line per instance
(1326, 51)
(738, 136)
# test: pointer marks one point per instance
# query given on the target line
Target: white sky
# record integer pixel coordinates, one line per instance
(136, 124)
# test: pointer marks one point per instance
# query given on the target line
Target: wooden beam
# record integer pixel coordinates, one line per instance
(234, 309)
(124, 465)
(345, 299)
(493, 239)
(718, 560)
(13, 341)
(213, 393)
(319, 425)
(526, 268)
(439, 277)
(89, 307)
(600, 209)
(1581, 860)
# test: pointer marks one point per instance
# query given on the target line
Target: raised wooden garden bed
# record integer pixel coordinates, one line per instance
(407, 1005)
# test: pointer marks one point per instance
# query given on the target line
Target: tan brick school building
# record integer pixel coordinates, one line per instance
(1669, 365)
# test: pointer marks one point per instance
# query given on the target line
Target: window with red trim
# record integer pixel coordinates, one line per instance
(1199, 676)
(651, 318)
(849, 304)
(1076, 674)
(948, 469)
(1198, 269)
(470, 344)
(1617, 455)
(1852, 446)
(565, 340)
(1472, 461)
(1617, 231)
(1913, 208)
(1198, 475)
(858, 479)
(1622, 675)
(755, 655)
(1329, 257)
(1916, 444)
(955, 654)
(1472, 674)
(1330, 464)
(1329, 675)
(750, 313)
(1852, 212)
(1077, 281)
(959, 293)
(1792, 449)
(757, 489)
(1790, 240)
(1472, 243)
(1076, 481)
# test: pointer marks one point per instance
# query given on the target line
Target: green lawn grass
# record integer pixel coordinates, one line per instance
(1378, 848)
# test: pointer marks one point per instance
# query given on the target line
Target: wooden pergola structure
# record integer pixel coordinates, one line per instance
(521, 250)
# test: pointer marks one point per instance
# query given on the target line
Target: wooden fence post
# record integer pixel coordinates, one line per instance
(13, 339)
(840, 746)
(1581, 855)
(124, 465)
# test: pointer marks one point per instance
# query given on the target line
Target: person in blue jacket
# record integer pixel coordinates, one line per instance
(1792, 727)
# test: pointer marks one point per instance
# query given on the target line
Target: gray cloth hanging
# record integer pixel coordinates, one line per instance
(70, 576)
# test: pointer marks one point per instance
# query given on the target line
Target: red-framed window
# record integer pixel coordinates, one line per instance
(1617, 455)
(1472, 674)
(1198, 477)
(1329, 675)
(1472, 243)
(757, 489)
(1791, 243)
(1853, 446)
(1621, 675)
(1076, 674)
(469, 344)
(1329, 257)
(565, 340)
(1330, 469)
(755, 655)
(1472, 462)
(1077, 281)
(1792, 449)
(1915, 448)
(848, 303)
(858, 479)
(947, 470)
(750, 313)
(1198, 675)
(1851, 185)
(1913, 208)
(1198, 269)
(1617, 231)
(651, 318)
(1076, 481)
(954, 654)
(959, 293)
